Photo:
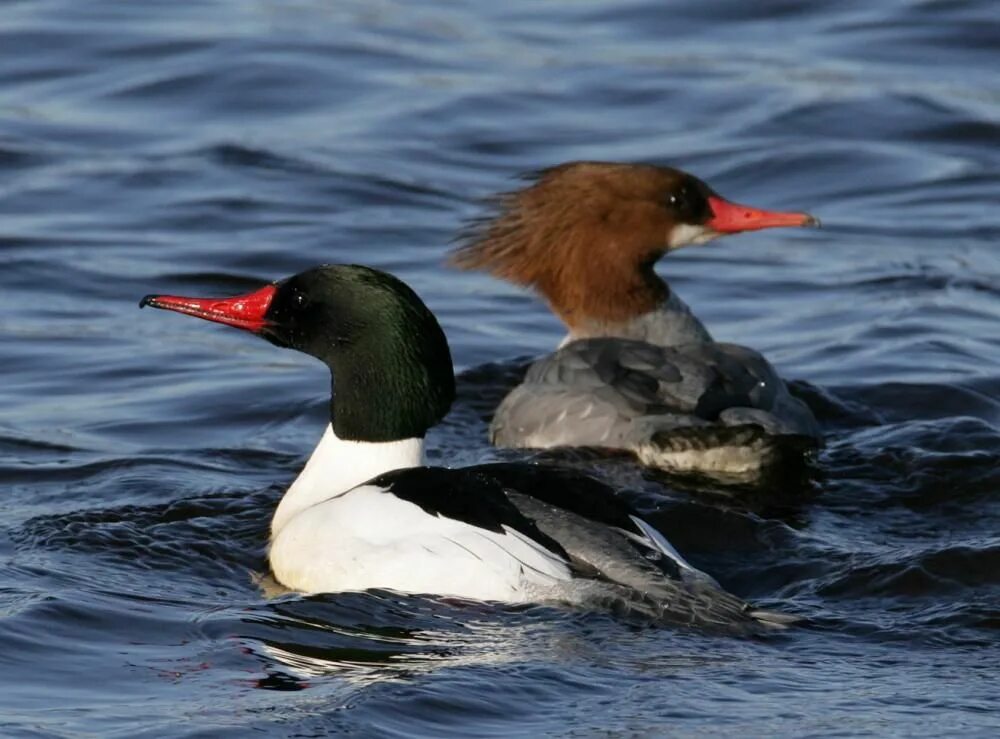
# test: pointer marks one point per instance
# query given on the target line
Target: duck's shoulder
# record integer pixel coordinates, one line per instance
(476, 496)
(563, 487)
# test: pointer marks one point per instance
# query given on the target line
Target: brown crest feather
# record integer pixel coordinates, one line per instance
(584, 234)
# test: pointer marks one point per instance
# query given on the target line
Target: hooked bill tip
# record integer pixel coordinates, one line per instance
(147, 300)
(811, 221)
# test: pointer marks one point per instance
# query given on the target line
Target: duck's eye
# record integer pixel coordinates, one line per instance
(679, 199)
(300, 299)
(688, 204)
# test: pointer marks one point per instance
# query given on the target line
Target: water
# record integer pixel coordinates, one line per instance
(205, 147)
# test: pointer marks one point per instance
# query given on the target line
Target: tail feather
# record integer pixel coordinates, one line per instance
(719, 611)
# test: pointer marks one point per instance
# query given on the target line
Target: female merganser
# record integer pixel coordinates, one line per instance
(365, 512)
(638, 371)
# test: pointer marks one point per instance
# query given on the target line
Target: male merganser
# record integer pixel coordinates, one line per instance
(638, 371)
(365, 512)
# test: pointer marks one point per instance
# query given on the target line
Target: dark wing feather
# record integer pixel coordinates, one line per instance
(470, 494)
(581, 520)
(594, 505)
(606, 540)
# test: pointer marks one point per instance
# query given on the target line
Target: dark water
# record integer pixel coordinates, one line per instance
(205, 147)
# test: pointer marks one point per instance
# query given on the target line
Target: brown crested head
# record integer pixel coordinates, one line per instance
(587, 234)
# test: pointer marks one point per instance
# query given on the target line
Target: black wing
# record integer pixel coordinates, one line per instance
(470, 494)
(581, 520)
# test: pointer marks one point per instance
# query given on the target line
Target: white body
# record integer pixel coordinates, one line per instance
(331, 534)
(329, 539)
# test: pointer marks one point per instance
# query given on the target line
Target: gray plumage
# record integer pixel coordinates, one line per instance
(704, 406)
(637, 570)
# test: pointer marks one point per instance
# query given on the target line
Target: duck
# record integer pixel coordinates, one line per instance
(366, 511)
(637, 372)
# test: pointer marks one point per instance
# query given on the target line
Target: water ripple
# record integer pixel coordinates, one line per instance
(208, 147)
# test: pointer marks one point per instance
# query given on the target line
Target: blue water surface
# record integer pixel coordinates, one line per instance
(206, 147)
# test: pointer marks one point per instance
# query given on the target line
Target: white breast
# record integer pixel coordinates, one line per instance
(367, 538)
(337, 465)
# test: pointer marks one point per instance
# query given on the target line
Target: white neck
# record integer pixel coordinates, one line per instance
(338, 465)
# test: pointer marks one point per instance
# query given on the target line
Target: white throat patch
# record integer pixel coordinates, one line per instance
(686, 234)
